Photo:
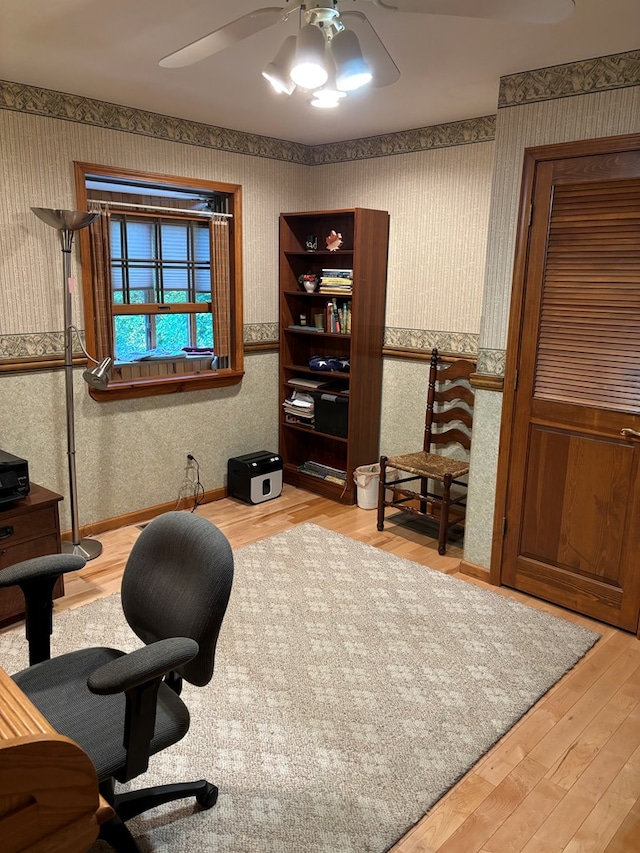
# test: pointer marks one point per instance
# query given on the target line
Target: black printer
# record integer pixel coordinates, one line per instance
(14, 477)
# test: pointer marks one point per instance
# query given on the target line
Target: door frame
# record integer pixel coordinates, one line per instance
(532, 157)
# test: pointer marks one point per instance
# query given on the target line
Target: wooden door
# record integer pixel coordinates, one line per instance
(569, 480)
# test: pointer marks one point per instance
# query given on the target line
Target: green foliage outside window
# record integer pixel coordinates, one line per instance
(158, 261)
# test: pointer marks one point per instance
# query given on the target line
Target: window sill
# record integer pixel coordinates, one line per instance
(175, 384)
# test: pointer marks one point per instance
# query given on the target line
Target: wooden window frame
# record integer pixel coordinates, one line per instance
(145, 386)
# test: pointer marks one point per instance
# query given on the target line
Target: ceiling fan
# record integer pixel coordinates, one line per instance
(325, 49)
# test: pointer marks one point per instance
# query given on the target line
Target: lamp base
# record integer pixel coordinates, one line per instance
(86, 548)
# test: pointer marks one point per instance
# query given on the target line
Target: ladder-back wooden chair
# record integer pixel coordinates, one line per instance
(422, 483)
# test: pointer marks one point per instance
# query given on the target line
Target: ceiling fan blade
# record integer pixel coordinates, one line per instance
(385, 71)
(224, 36)
(529, 11)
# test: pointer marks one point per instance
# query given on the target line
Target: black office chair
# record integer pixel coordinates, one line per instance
(123, 708)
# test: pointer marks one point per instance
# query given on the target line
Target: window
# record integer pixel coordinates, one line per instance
(161, 280)
(160, 265)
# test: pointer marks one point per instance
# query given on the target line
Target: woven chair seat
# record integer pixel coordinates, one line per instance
(429, 465)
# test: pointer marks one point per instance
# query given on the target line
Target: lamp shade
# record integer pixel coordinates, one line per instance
(308, 70)
(278, 70)
(352, 71)
(98, 377)
(329, 96)
(65, 220)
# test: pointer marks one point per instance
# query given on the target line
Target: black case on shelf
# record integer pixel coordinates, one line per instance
(331, 414)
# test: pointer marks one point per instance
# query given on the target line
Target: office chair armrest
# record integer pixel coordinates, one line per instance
(37, 578)
(142, 666)
(51, 565)
(138, 675)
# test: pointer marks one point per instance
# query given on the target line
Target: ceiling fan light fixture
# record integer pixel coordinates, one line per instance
(327, 97)
(277, 72)
(352, 71)
(308, 70)
(324, 103)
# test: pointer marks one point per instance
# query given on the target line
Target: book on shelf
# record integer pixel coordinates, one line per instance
(324, 472)
(298, 421)
(337, 273)
(339, 317)
(315, 384)
(338, 281)
(334, 291)
(299, 408)
(299, 328)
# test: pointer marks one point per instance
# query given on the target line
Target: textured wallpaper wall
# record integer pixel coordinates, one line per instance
(130, 454)
(563, 119)
(518, 127)
(447, 206)
(36, 169)
(438, 202)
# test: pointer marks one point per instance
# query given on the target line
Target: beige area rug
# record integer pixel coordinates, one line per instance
(352, 689)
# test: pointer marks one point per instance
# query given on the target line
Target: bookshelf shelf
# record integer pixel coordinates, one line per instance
(347, 417)
(314, 432)
(324, 253)
(316, 334)
(306, 370)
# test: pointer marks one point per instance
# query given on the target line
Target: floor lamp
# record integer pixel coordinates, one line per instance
(67, 222)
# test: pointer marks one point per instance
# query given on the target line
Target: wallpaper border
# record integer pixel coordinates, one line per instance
(617, 71)
(556, 81)
(34, 346)
(491, 361)
(45, 345)
(52, 104)
(76, 108)
(31, 345)
(460, 343)
(467, 132)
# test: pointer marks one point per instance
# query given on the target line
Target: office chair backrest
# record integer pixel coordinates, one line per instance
(450, 401)
(177, 583)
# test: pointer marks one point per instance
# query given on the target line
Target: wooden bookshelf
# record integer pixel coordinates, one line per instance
(365, 235)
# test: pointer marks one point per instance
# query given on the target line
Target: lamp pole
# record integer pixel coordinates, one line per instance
(67, 222)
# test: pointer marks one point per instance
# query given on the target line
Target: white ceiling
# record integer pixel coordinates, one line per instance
(450, 66)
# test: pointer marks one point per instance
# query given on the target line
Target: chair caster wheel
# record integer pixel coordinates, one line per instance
(208, 797)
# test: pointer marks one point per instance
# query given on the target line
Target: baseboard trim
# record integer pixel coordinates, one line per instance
(474, 571)
(141, 515)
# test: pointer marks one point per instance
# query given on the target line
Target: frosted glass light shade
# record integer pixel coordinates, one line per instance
(277, 72)
(325, 102)
(352, 71)
(308, 70)
(329, 96)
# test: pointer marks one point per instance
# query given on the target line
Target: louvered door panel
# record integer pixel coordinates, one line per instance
(571, 525)
(588, 350)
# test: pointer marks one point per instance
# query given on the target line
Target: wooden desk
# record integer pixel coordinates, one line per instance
(29, 527)
(49, 801)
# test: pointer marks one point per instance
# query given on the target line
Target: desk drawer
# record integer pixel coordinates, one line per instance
(10, 554)
(11, 598)
(25, 525)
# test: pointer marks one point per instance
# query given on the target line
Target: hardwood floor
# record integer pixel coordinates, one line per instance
(565, 778)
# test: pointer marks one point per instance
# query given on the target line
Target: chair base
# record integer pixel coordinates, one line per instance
(132, 803)
(441, 508)
(424, 524)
